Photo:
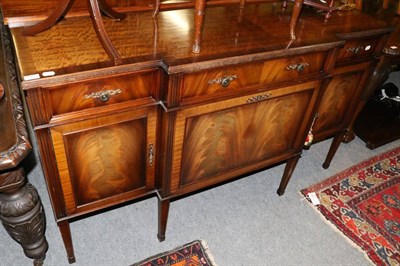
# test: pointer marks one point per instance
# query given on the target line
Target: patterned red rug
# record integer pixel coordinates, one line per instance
(364, 203)
(195, 253)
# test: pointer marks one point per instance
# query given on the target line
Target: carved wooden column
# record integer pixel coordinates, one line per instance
(21, 212)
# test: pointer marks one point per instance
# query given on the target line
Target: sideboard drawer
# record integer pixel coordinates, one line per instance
(101, 92)
(199, 85)
(358, 48)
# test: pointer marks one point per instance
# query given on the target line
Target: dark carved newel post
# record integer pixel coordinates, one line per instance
(21, 211)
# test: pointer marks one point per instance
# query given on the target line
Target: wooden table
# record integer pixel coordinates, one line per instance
(21, 211)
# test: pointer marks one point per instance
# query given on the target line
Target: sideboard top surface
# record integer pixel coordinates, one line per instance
(229, 36)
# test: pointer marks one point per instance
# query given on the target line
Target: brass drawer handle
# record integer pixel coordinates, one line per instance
(355, 50)
(151, 154)
(298, 67)
(103, 96)
(258, 98)
(224, 81)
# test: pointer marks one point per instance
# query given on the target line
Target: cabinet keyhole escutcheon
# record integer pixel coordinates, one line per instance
(151, 154)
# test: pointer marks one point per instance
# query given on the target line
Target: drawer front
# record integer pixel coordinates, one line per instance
(213, 83)
(101, 92)
(354, 49)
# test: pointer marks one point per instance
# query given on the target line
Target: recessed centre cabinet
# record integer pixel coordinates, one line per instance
(215, 141)
(169, 122)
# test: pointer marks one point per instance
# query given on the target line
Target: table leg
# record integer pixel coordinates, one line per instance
(21, 214)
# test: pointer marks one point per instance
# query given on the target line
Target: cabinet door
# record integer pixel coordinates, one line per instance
(339, 101)
(217, 141)
(106, 160)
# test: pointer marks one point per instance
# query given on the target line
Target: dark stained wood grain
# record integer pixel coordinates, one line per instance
(137, 40)
(220, 139)
(336, 101)
(184, 121)
(242, 77)
(96, 175)
(89, 176)
(85, 95)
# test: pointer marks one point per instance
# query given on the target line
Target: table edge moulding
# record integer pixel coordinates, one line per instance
(156, 119)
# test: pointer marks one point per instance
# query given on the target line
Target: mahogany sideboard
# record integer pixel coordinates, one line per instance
(170, 122)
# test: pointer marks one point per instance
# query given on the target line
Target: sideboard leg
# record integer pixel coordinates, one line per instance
(21, 214)
(287, 174)
(163, 210)
(333, 148)
(66, 236)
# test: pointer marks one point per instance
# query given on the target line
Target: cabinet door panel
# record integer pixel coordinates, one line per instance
(336, 102)
(105, 159)
(220, 138)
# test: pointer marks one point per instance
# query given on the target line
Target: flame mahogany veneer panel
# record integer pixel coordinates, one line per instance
(105, 159)
(216, 141)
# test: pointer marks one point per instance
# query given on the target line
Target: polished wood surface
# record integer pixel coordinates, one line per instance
(27, 12)
(215, 140)
(89, 176)
(336, 101)
(129, 89)
(21, 212)
(226, 80)
(155, 41)
(167, 121)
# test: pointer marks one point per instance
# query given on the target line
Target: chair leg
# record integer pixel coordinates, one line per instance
(62, 7)
(94, 10)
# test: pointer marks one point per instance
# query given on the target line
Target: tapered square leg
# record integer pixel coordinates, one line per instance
(163, 210)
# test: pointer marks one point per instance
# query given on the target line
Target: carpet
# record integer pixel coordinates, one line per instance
(195, 253)
(363, 202)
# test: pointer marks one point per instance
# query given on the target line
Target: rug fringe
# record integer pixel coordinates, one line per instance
(337, 229)
(208, 252)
